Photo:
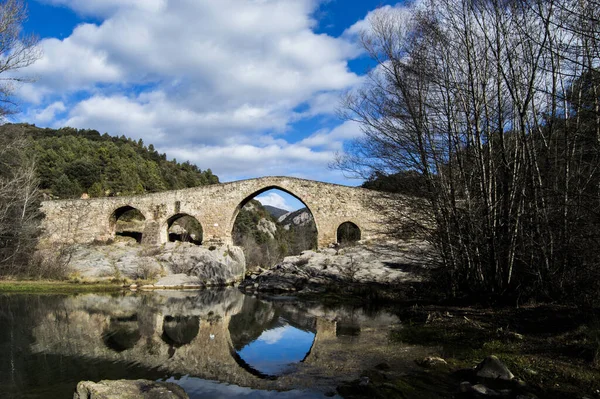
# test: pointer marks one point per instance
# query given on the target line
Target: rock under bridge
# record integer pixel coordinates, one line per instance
(215, 207)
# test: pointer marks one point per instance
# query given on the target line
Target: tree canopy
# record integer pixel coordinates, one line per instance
(71, 162)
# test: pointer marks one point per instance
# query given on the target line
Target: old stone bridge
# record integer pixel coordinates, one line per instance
(215, 207)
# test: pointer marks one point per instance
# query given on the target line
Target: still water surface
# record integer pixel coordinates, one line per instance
(215, 344)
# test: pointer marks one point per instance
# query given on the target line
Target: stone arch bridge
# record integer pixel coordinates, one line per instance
(216, 208)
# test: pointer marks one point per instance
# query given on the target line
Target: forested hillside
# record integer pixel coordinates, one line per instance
(70, 162)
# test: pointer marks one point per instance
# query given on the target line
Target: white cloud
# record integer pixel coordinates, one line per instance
(107, 7)
(273, 336)
(333, 139)
(214, 82)
(276, 200)
(400, 12)
(238, 161)
(47, 114)
(231, 65)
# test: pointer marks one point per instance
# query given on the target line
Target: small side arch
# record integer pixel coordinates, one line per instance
(127, 221)
(183, 227)
(348, 233)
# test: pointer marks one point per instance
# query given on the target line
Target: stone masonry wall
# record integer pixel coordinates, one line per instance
(216, 208)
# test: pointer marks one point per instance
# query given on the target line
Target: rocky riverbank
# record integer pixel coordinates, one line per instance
(126, 260)
(184, 265)
(382, 264)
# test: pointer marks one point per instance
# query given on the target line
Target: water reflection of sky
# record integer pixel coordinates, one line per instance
(276, 350)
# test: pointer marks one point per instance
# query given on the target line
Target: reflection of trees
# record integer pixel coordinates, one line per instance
(256, 317)
(31, 321)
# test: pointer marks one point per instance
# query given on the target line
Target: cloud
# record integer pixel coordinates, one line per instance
(273, 336)
(215, 83)
(400, 12)
(107, 7)
(47, 114)
(276, 200)
(333, 139)
(241, 161)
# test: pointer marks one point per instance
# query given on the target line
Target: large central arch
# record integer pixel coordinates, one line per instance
(258, 192)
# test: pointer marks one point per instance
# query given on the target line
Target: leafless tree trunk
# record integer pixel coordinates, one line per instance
(495, 105)
(19, 203)
(19, 197)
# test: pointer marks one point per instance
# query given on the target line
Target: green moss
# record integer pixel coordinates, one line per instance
(554, 366)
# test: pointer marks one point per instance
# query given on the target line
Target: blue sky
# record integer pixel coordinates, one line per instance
(247, 88)
(276, 350)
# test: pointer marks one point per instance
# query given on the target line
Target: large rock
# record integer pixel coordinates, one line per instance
(212, 266)
(129, 389)
(361, 264)
(267, 227)
(206, 265)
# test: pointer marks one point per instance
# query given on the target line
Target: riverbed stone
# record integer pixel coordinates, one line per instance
(431, 361)
(491, 367)
(178, 280)
(482, 390)
(128, 389)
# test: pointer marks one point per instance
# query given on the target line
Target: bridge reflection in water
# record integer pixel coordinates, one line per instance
(219, 335)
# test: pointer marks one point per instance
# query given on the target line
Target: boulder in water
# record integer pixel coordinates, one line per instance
(131, 389)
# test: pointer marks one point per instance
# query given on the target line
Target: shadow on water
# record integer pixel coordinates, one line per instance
(122, 334)
(180, 330)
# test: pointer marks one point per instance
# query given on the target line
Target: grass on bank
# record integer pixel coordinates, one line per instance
(555, 350)
(68, 286)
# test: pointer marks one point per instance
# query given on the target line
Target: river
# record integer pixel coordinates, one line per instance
(213, 343)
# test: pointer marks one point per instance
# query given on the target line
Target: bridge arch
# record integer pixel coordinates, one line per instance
(137, 217)
(258, 192)
(193, 230)
(348, 232)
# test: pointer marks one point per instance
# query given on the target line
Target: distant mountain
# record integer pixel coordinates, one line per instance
(274, 211)
(301, 217)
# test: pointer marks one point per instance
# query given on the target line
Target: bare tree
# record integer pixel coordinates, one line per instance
(19, 197)
(493, 104)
